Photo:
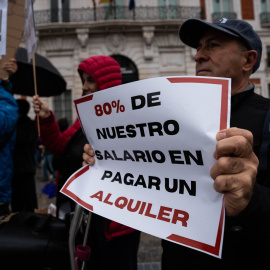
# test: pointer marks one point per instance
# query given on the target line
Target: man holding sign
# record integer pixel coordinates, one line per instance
(230, 48)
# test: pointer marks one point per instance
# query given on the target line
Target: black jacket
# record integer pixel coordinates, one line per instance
(246, 237)
(69, 163)
(25, 148)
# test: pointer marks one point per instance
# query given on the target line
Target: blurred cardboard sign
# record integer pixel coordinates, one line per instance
(15, 28)
(29, 29)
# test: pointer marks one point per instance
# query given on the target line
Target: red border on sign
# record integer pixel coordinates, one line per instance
(72, 195)
(223, 125)
(202, 246)
(81, 100)
(224, 93)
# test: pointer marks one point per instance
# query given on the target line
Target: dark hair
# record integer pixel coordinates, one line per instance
(24, 106)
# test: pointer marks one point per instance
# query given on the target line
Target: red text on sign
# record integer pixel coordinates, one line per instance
(166, 214)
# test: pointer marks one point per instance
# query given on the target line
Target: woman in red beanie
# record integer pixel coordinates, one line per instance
(113, 245)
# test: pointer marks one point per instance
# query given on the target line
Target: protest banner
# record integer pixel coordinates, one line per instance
(29, 29)
(154, 142)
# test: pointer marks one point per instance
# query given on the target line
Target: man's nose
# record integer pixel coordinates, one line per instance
(201, 55)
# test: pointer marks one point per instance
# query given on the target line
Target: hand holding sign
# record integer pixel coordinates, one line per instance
(88, 155)
(235, 176)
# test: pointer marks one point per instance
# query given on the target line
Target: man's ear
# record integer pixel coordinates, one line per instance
(251, 57)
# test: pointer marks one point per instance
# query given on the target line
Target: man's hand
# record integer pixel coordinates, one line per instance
(40, 107)
(235, 171)
(88, 155)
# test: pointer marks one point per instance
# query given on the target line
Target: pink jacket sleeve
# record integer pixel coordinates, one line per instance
(117, 229)
(51, 137)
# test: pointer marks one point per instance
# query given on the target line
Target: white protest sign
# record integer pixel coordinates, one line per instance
(3, 26)
(29, 29)
(154, 142)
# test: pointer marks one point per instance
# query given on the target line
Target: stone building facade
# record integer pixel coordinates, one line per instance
(144, 39)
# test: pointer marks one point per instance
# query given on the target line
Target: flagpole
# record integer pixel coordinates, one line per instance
(31, 43)
(35, 87)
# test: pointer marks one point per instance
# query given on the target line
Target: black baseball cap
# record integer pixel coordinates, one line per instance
(192, 30)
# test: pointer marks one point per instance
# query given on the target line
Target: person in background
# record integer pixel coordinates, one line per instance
(24, 197)
(63, 125)
(232, 49)
(113, 245)
(47, 166)
(8, 120)
(39, 153)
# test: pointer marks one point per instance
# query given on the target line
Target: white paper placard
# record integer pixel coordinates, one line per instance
(154, 142)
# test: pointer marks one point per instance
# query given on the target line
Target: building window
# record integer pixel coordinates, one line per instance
(59, 10)
(62, 106)
(223, 9)
(54, 11)
(65, 10)
(265, 9)
(172, 9)
(265, 5)
(222, 6)
(168, 9)
(162, 9)
(114, 9)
